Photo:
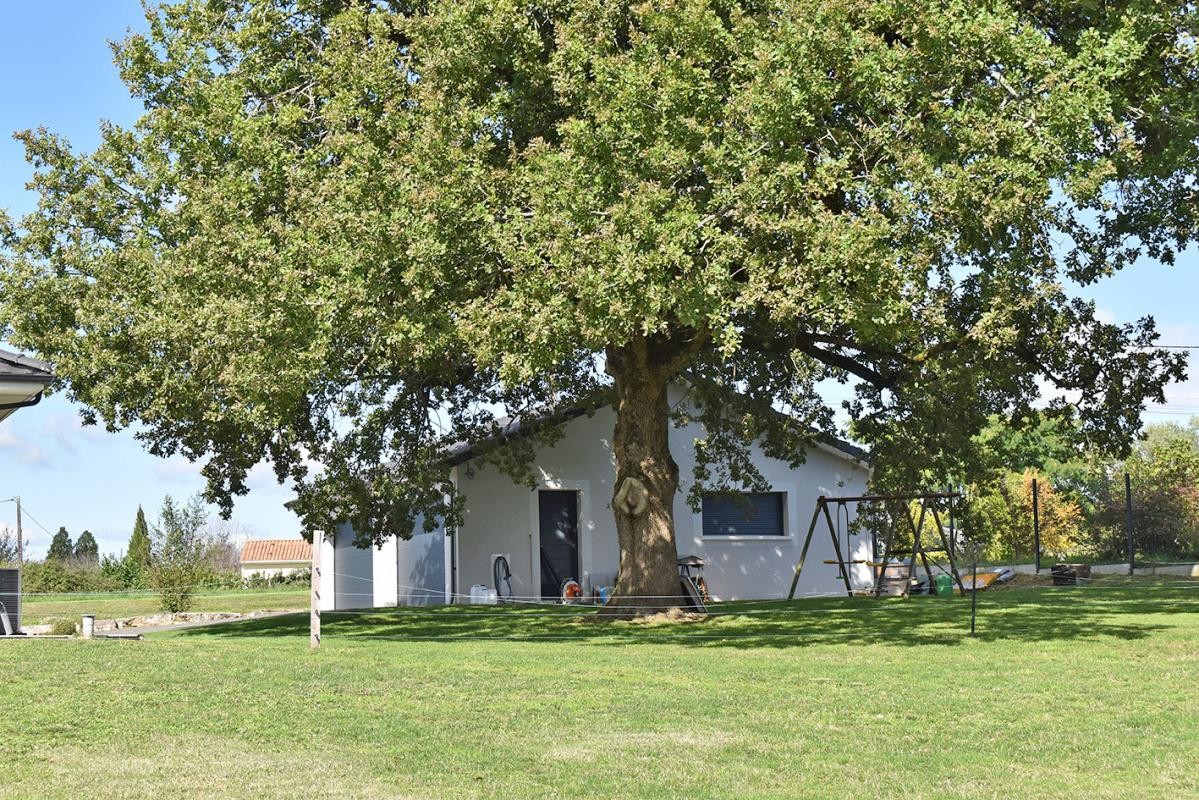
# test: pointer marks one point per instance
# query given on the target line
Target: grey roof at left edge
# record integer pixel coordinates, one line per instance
(16, 367)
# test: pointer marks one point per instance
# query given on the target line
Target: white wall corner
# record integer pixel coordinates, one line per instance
(328, 568)
(385, 573)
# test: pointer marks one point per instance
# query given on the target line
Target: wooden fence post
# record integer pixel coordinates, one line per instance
(314, 619)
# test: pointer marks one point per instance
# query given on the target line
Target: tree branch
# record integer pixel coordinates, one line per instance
(849, 364)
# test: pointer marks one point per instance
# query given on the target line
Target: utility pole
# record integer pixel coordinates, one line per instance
(20, 561)
(314, 618)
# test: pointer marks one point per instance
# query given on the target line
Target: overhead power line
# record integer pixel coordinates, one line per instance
(25, 513)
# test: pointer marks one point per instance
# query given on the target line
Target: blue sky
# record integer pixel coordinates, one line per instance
(59, 74)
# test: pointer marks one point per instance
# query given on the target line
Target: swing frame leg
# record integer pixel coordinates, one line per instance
(916, 528)
(803, 554)
(948, 545)
(888, 543)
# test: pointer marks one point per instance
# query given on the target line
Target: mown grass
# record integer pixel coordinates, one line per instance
(38, 609)
(1065, 693)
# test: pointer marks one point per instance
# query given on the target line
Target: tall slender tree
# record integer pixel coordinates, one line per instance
(86, 550)
(139, 542)
(344, 232)
(61, 547)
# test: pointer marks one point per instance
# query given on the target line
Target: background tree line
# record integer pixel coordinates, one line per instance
(1081, 495)
(181, 548)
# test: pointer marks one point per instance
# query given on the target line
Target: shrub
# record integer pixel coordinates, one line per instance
(52, 576)
(178, 553)
(259, 580)
(128, 573)
(220, 579)
(1164, 469)
(61, 626)
(173, 582)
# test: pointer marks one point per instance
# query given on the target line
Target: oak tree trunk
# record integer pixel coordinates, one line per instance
(647, 479)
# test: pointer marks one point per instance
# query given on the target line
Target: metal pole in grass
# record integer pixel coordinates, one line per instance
(1036, 526)
(972, 551)
(1128, 522)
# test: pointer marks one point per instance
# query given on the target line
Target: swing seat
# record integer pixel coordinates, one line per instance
(847, 561)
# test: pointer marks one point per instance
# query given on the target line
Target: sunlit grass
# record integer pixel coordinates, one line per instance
(1065, 693)
(38, 609)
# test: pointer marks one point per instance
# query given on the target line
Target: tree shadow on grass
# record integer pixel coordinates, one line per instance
(1125, 611)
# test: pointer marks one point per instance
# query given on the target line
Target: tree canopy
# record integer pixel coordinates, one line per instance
(178, 552)
(139, 541)
(86, 549)
(346, 233)
(61, 547)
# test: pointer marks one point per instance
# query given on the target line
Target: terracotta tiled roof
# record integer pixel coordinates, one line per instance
(255, 550)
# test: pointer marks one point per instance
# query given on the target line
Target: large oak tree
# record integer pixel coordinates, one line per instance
(348, 232)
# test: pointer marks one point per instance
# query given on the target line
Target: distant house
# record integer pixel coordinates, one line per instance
(22, 381)
(564, 527)
(273, 557)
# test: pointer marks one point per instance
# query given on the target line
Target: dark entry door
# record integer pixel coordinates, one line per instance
(559, 526)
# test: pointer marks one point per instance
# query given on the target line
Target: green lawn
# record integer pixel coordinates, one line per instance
(110, 605)
(1066, 693)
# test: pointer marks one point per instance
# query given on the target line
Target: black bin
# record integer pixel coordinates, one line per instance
(10, 599)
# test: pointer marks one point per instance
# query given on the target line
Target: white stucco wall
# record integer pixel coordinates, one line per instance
(420, 577)
(384, 573)
(328, 571)
(400, 572)
(501, 517)
(353, 571)
(272, 568)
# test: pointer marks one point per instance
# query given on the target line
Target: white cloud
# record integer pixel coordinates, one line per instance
(68, 429)
(27, 452)
(261, 476)
(177, 468)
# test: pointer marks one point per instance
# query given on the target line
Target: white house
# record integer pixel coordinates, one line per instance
(274, 557)
(565, 528)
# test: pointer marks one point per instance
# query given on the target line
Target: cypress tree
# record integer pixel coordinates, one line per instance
(139, 542)
(61, 548)
(86, 549)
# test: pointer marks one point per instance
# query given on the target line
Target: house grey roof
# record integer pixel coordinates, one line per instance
(511, 428)
(16, 367)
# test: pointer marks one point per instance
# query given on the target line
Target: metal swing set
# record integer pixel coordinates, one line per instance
(897, 506)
